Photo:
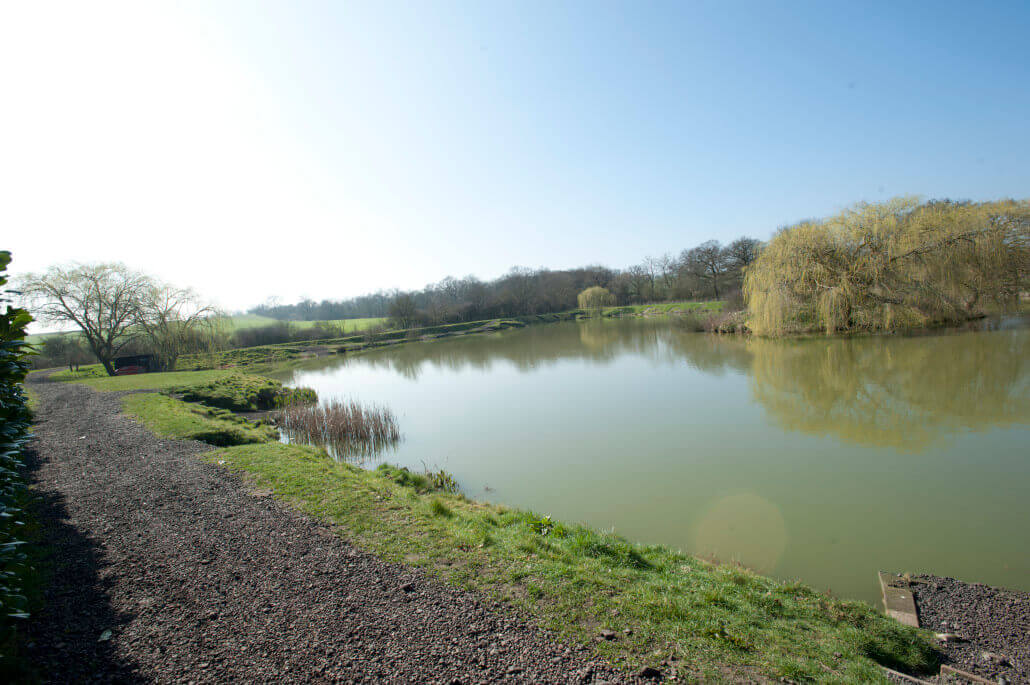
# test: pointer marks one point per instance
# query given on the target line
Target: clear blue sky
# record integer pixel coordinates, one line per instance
(329, 149)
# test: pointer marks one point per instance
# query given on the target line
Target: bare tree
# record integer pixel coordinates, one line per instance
(742, 252)
(403, 312)
(171, 320)
(708, 262)
(101, 299)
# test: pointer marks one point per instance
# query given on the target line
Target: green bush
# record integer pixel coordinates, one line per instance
(14, 432)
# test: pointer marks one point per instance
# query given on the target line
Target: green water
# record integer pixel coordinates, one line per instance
(824, 460)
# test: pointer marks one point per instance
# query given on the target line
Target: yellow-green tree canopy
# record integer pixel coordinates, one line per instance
(595, 298)
(888, 266)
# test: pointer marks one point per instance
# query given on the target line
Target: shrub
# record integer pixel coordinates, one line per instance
(14, 430)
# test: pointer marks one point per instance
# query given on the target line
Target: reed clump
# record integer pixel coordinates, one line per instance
(345, 428)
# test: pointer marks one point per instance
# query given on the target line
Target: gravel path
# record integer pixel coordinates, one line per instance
(994, 625)
(166, 569)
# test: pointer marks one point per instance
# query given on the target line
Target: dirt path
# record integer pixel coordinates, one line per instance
(197, 580)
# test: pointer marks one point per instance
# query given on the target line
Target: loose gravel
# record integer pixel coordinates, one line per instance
(165, 568)
(992, 626)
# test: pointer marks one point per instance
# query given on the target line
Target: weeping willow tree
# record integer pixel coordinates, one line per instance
(895, 265)
(595, 298)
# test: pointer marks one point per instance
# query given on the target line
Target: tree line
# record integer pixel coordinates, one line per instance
(708, 271)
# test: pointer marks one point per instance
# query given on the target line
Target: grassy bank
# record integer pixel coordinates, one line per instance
(707, 621)
(187, 421)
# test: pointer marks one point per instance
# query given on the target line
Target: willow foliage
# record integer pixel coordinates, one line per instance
(595, 297)
(895, 265)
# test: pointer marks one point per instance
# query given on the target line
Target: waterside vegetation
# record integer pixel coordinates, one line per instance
(891, 266)
(344, 428)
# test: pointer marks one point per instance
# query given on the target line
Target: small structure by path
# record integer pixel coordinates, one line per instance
(167, 569)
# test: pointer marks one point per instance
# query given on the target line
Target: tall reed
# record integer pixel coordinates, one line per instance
(345, 428)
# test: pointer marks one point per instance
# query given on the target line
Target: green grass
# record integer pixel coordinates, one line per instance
(241, 321)
(95, 377)
(176, 419)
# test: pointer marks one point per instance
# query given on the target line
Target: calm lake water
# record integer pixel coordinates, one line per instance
(824, 460)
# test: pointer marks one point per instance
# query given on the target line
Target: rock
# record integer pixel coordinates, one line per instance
(408, 587)
(949, 637)
(608, 635)
(649, 673)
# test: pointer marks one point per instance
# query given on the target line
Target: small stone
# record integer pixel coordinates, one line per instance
(608, 635)
(408, 587)
(649, 673)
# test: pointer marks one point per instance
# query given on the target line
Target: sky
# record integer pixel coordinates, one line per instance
(329, 149)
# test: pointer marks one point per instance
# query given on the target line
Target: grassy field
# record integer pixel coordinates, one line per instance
(349, 325)
(95, 377)
(242, 321)
(707, 621)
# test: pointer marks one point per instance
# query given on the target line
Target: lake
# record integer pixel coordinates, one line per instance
(820, 459)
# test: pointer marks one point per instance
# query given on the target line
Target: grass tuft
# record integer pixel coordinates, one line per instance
(438, 508)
